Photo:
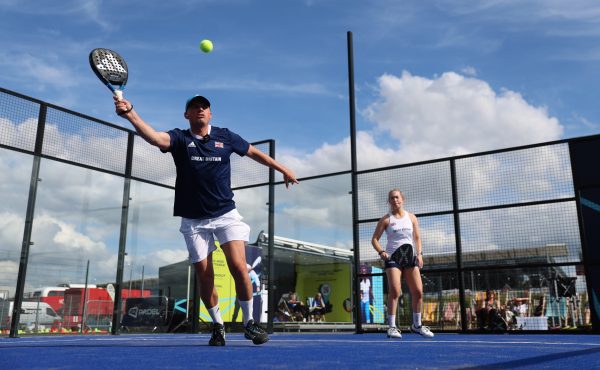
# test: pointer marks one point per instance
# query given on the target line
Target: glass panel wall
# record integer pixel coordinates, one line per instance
(313, 238)
(527, 298)
(441, 303)
(75, 241)
(156, 275)
(14, 189)
(157, 266)
(317, 210)
(440, 309)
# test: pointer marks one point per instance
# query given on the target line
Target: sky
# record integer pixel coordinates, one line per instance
(432, 78)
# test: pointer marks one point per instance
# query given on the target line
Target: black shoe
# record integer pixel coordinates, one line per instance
(255, 333)
(218, 335)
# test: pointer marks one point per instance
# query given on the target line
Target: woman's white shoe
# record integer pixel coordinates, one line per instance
(394, 333)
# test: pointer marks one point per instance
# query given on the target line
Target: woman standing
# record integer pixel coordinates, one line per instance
(403, 255)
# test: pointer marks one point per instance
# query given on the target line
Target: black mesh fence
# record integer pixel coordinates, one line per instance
(18, 121)
(81, 140)
(247, 171)
(426, 188)
(505, 221)
(543, 233)
(150, 164)
(85, 141)
(534, 174)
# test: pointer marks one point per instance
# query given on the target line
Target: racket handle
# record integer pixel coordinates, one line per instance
(119, 94)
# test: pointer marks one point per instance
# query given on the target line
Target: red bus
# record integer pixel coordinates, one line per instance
(99, 306)
(54, 296)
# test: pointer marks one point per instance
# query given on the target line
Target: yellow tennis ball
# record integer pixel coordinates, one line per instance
(206, 46)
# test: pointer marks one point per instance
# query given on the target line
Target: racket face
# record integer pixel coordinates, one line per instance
(109, 67)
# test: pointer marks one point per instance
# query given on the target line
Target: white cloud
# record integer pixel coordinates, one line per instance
(336, 157)
(43, 71)
(309, 216)
(66, 237)
(168, 256)
(8, 276)
(11, 231)
(252, 205)
(433, 118)
(528, 175)
(469, 71)
(453, 115)
(21, 135)
(57, 255)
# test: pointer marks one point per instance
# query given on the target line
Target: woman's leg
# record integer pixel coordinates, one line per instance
(394, 289)
(415, 285)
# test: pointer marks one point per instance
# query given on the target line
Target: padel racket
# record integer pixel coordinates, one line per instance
(111, 69)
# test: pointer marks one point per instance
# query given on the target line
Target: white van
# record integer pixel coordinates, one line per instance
(33, 314)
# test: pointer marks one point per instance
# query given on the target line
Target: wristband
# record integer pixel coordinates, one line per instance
(381, 251)
(126, 111)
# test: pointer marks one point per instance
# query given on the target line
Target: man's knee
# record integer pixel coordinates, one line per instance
(239, 272)
(236, 257)
(204, 269)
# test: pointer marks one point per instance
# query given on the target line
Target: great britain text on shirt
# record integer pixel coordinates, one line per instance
(205, 159)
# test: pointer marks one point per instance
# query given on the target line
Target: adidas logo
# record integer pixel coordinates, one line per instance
(191, 145)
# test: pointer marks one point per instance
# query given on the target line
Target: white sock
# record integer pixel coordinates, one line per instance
(417, 319)
(392, 321)
(246, 310)
(215, 314)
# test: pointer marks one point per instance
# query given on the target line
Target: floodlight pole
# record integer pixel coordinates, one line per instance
(355, 234)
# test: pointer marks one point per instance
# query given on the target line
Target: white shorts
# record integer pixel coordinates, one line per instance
(200, 235)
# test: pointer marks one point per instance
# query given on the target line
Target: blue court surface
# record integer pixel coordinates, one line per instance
(302, 351)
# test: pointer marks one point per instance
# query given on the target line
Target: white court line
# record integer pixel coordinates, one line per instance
(486, 342)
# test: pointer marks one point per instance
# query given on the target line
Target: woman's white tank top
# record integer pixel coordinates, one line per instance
(399, 231)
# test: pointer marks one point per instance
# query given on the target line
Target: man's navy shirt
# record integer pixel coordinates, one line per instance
(203, 184)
